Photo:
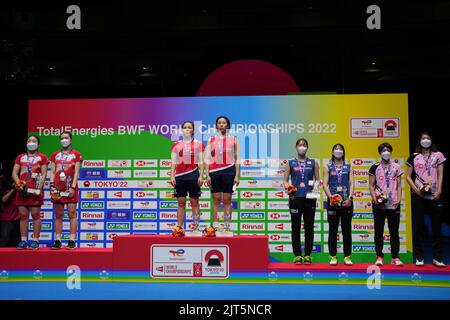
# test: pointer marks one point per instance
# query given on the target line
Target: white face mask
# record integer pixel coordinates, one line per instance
(338, 154)
(32, 146)
(425, 143)
(386, 155)
(65, 143)
(302, 150)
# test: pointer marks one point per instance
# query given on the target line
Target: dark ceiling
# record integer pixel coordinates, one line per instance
(323, 45)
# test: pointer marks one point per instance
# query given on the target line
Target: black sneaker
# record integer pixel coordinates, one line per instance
(71, 245)
(56, 245)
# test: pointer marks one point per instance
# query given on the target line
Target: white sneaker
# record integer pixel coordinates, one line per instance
(379, 261)
(439, 264)
(397, 262)
(333, 261)
(419, 263)
(347, 261)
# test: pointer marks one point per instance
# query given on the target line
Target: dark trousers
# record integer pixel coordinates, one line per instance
(420, 207)
(10, 233)
(393, 218)
(344, 215)
(299, 207)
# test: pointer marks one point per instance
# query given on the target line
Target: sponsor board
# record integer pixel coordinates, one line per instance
(253, 162)
(145, 215)
(252, 226)
(252, 215)
(145, 204)
(118, 163)
(118, 215)
(46, 215)
(145, 225)
(92, 245)
(145, 173)
(189, 261)
(111, 235)
(362, 162)
(278, 215)
(92, 173)
(118, 205)
(252, 194)
(275, 173)
(278, 205)
(204, 215)
(117, 226)
(43, 236)
(93, 163)
(145, 163)
(287, 248)
(253, 173)
(93, 205)
(45, 225)
(280, 194)
(92, 236)
(119, 174)
(375, 127)
(92, 225)
(119, 194)
(251, 205)
(165, 163)
(140, 194)
(97, 194)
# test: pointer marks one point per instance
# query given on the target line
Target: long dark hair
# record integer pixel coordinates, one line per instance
(419, 148)
(334, 147)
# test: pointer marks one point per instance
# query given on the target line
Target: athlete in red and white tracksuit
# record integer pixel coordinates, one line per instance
(222, 169)
(186, 173)
(65, 167)
(30, 168)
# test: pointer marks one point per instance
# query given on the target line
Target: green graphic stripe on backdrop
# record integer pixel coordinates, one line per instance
(146, 145)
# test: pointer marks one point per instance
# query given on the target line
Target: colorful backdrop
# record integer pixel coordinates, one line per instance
(126, 142)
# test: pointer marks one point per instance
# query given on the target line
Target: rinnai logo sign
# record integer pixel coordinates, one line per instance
(165, 163)
(189, 261)
(253, 226)
(93, 163)
(361, 173)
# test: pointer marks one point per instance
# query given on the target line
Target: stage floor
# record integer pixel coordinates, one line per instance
(204, 291)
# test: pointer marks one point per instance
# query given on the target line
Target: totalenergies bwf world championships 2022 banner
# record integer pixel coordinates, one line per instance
(126, 144)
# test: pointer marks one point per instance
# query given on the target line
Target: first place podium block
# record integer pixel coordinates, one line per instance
(165, 256)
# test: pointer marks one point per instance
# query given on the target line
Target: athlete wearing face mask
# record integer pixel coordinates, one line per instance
(186, 176)
(29, 173)
(65, 167)
(222, 169)
(338, 184)
(386, 191)
(304, 174)
(425, 172)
